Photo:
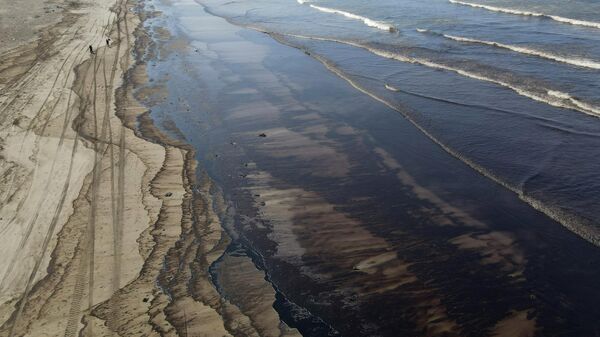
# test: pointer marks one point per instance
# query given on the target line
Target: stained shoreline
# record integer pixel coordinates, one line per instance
(223, 183)
(107, 241)
(355, 203)
(203, 220)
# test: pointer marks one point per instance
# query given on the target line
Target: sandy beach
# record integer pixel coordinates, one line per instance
(96, 202)
(76, 192)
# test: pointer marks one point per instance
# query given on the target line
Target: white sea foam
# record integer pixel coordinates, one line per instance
(551, 97)
(580, 62)
(583, 106)
(365, 20)
(559, 94)
(575, 22)
(390, 88)
(302, 2)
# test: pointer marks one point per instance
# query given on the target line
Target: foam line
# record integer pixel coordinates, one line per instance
(579, 62)
(575, 22)
(369, 22)
(554, 98)
(573, 223)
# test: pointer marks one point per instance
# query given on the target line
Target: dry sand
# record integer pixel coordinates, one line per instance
(96, 218)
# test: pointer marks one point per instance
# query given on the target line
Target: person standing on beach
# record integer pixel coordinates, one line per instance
(108, 41)
(91, 50)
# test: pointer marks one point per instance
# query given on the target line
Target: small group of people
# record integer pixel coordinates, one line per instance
(108, 43)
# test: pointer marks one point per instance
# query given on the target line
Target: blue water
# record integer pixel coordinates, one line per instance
(527, 118)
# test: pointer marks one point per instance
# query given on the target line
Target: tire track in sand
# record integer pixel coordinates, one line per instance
(87, 265)
(33, 220)
(26, 133)
(59, 206)
(58, 209)
(30, 75)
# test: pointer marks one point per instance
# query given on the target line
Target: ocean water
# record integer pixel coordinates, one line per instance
(397, 168)
(510, 87)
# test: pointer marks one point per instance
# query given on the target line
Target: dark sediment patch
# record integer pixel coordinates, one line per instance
(339, 205)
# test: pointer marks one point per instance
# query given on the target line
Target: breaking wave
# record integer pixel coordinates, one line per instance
(369, 22)
(554, 98)
(391, 88)
(561, 19)
(579, 225)
(576, 224)
(523, 50)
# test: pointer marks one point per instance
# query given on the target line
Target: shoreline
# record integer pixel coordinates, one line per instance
(129, 209)
(353, 200)
(125, 164)
(305, 207)
(578, 224)
(206, 310)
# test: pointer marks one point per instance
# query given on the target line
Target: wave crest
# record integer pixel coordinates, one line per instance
(551, 97)
(369, 22)
(579, 62)
(557, 18)
(574, 223)
(391, 88)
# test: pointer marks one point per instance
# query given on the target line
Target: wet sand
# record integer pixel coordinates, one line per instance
(360, 222)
